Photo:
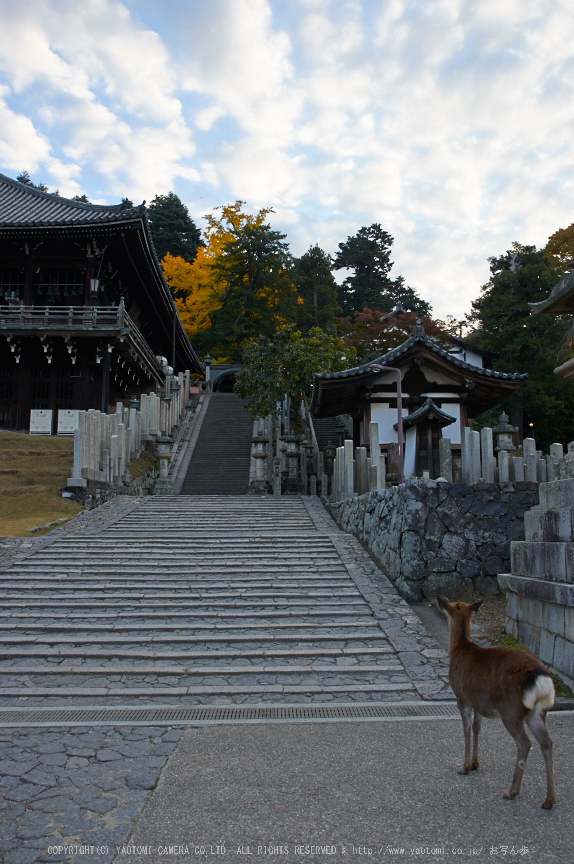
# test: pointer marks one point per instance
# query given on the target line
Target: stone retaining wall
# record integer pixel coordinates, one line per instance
(435, 537)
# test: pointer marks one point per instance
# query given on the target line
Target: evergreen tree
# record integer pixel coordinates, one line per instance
(526, 342)
(368, 255)
(256, 291)
(172, 229)
(24, 177)
(317, 290)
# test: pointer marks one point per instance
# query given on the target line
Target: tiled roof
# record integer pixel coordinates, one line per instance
(428, 407)
(23, 206)
(418, 335)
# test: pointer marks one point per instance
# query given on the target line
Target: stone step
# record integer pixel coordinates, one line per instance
(82, 594)
(224, 689)
(296, 614)
(211, 655)
(270, 627)
(206, 608)
(19, 670)
(280, 640)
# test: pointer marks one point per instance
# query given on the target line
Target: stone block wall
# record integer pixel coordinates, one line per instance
(540, 585)
(435, 537)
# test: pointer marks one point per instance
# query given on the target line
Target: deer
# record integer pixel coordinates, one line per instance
(499, 682)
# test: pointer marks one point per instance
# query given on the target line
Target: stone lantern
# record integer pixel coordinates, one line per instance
(163, 485)
(291, 450)
(504, 432)
(330, 453)
(260, 485)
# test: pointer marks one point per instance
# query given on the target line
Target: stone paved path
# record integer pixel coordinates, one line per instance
(180, 601)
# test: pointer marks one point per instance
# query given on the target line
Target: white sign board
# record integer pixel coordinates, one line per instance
(40, 422)
(67, 421)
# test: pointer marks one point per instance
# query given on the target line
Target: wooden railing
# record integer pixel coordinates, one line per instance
(92, 317)
(98, 318)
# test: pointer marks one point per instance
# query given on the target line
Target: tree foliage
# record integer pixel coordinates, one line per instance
(372, 333)
(172, 229)
(368, 255)
(526, 342)
(194, 290)
(253, 281)
(24, 177)
(560, 246)
(284, 364)
(317, 289)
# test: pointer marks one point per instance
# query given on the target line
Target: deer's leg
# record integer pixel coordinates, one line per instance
(523, 745)
(476, 723)
(466, 714)
(537, 725)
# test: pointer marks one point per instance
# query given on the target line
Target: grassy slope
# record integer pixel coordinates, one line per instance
(33, 470)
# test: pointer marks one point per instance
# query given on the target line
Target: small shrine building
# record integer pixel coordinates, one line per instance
(441, 392)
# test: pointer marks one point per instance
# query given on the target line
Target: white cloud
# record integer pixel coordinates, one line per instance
(450, 122)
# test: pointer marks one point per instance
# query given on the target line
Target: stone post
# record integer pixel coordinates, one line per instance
(349, 468)
(362, 475)
(465, 454)
(445, 458)
(516, 469)
(531, 461)
(503, 467)
(77, 478)
(375, 453)
(487, 455)
(541, 471)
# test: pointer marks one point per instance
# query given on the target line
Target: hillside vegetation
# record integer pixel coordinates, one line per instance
(33, 470)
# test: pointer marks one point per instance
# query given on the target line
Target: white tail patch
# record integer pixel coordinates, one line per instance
(541, 694)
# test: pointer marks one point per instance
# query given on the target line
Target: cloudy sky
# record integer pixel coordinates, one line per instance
(449, 122)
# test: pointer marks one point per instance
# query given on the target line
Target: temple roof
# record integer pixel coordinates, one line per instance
(27, 212)
(561, 299)
(23, 206)
(337, 392)
(428, 411)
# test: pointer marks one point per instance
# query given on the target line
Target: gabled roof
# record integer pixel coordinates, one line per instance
(335, 392)
(417, 336)
(23, 206)
(428, 410)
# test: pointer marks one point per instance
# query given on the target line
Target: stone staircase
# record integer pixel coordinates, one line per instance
(220, 461)
(208, 600)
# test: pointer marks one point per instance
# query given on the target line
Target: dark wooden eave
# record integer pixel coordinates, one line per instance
(28, 215)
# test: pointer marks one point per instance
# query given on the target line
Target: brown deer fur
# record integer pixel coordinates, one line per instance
(502, 682)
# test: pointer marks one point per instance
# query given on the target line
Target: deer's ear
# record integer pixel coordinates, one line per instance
(444, 604)
(474, 607)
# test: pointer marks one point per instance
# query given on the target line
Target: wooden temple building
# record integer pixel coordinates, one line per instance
(86, 316)
(441, 391)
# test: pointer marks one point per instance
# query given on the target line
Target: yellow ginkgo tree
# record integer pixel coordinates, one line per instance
(239, 285)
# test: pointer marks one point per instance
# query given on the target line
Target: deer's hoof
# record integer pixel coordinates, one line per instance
(465, 769)
(548, 804)
(474, 765)
(510, 795)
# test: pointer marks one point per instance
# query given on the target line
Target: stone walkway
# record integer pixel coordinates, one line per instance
(181, 601)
